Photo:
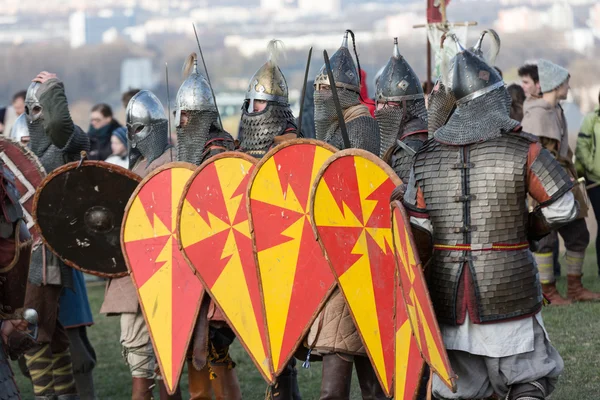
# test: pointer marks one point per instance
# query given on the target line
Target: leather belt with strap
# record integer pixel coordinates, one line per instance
(483, 247)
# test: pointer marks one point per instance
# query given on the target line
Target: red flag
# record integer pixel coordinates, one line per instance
(434, 14)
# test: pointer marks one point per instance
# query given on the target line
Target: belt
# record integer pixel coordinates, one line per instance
(483, 247)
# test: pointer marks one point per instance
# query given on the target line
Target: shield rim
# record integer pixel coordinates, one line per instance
(28, 152)
(396, 180)
(171, 165)
(212, 160)
(60, 170)
(396, 205)
(257, 167)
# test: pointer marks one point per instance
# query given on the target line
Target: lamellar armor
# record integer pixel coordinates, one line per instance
(147, 127)
(196, 100)
(404, 121)
(472, 182)
(259, 129)
(363, 131)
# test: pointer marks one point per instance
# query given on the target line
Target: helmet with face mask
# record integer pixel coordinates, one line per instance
(195, 114)
(398, 84)
(259, 129)
(363, 132)
(147, 125)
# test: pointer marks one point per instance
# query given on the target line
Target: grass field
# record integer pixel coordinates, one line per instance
(574, 331)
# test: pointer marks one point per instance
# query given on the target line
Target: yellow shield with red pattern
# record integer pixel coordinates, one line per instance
(214, 235)
(351, 214)
(294, 276)
(168, 291)
(416, 298)
(408, 366)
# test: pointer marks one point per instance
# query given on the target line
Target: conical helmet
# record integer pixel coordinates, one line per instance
(268, 83)
(145, 113)
(398, 81)
(343, 68)
(470, 76)
(194, 93)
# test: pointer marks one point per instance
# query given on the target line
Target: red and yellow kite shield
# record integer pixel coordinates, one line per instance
(416, 298)
(409, 364)
(168, 291)
(351, 215)
(295, 278)
(214, 235)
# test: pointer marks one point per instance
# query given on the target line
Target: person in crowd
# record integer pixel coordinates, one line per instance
(517, 95)
(102, 126)
(55, 140)
(118, 145)
(530, 80)
(9, 115)
(544, 117)
(587, 156)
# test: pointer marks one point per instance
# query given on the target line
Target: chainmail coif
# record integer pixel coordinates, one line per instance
(155, 144)
(363, 131)
(260, 129)
(393, 122)
(192, 138)
(481, 119)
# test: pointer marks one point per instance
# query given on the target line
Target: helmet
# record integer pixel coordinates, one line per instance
(194, 94)
(398, 81)
(268, 83)
(33, 108)
(144, 113)
(343, 68)
(470, 76)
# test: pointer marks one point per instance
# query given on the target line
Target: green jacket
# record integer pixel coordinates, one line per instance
(587, 151)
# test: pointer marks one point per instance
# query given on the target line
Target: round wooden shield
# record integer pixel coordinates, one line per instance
(351, 215)
(214, 235)
(168, 291)
(78, 211)
(294, 276)
(28, 172)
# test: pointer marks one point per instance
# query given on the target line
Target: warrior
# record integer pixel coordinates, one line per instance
(400, 113)
(361, 126)
(333, 334)
(199, 136)
(148, 140)
(15, 247)
(267, 119)
(55, 140)
(467, 198)
(544, 117)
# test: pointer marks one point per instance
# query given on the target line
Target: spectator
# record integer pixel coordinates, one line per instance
(102, 126)
(9, 115)
(118, 144)
(545, 118)
(587, 153)
(517, 96)
(530, 80)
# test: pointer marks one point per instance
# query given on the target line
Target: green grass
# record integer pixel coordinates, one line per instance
(574, 331)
